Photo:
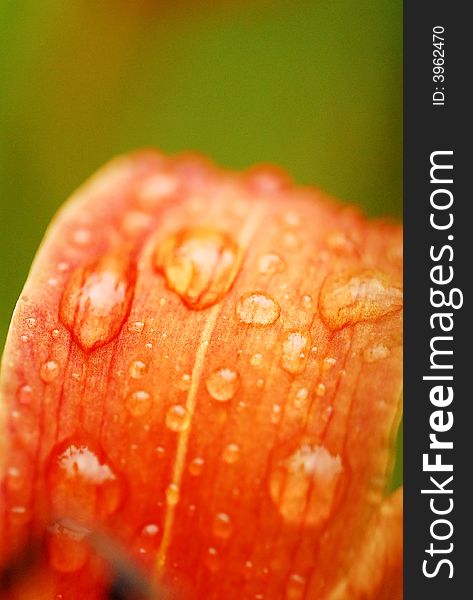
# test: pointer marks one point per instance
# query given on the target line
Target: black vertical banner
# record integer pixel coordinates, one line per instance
(438, 459)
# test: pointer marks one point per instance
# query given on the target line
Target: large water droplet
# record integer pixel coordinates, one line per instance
(97, 300)
(222, 384)
(177, 418)
(350, 297)
(303, 481)
(138, 403)
(271, 263)
(81, 482)
(199, 264)
(67, 547)
(295, 351)
(257, 308)
(49, 371)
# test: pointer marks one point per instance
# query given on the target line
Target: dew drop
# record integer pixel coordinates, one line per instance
(81, 236)
(177, 418)
(328, 363)
(350, 297)
(172, 494)
(67, 547)
(296, 586)
(222, 384)
(49, 371)
(320, 390)
(184, 383)
(14, 479)
(97, 300)
(375, 353)
(295, 349)
(138, 369)
(150, 530)
(25, 394)
(157, 188)
(256, 360)
(199, 264)
(196, 466)
(138, 403)
(136, 327)
(55, 333)
(306, 302)
(260, 383)
(81, 482)
(19, 515)
(291, 240)
(276, 412)
(303, 481)
(257, 308)
(301, 397)
(271, 263)
(222, 526)
(231, 454)
(31, 322)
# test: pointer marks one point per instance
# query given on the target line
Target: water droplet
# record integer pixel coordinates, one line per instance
(196, 466)
(271, 263)
(138, 403)
(303, 481)
(97, 299)
(257, 308)
(306, 302)
(296, 586)
(55, 333)
(67, 547)
(256, 360)
(231, 454)
(184, 383)
(291, 240)
(199, 264)
(375, 353)
(177, 418)
(295, 349)
(138, 369)
(172, 494)
(350, 297)
(49, 371)
(150, 530)
(31, 322)
(14, 479)
(222, 526)
(136, 327)
(81, 236)
(25, 339)
(25, 394)
(341, 242)
(328, 363)
(292, 219)
(320, 390)
(156, 188)
(20, 515)
(81, 482)
(301, 397)
(260, 383)
(222, 384)
(211, 559)
(276, 413)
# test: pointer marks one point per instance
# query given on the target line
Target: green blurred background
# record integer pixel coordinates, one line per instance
(314, 86)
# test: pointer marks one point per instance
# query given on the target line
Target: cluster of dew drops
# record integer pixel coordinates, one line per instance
(304, 467)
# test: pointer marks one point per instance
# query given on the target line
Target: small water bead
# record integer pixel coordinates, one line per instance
(256, 360)
(328, 363)
(67, 547)
(199, 264)
(14, 479)
(55, 333)
(172, 494)
(296, 587)
(184, 383)
(306, 301)
(260, 383)
(25, 339)
(82, 484)
(177, 418)
(303, 481)
(211, 559)
(231, 454)
(97, 300)
(222, 526)
(257, 308)
(31, 322)
(49, 371)
(295, 349)
(138, 403)
(270, 264)
(350, 297)
(157, 188)
(341, 242)
(223, 384)
(19, 515)
(301, 398)
(320, 390)
(276, 413)
(138, 369)
(150, 530)
(375, 353)
(136, 327)
(291, 240)
(81, 236)
(196, 466)
(25, 394)
(292, 219)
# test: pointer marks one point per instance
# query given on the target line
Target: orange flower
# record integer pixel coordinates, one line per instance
(202, 378)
